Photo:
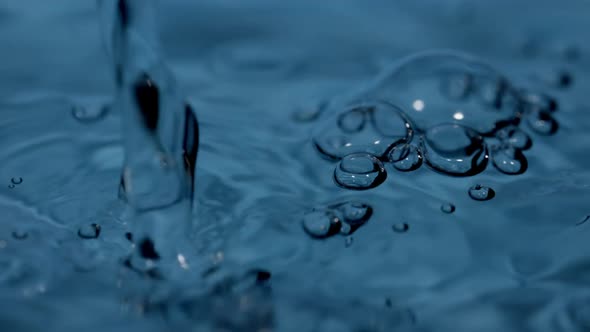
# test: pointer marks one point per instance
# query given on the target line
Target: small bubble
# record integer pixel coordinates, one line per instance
(348, 241)
(359, 171)
(91, 231)
(542, 123)
(400, 227)
(388, 303)
(321, 224)
(89, 115)
(481, 193)
(536, 101)
(354, 215)
(11, 186)
(406, 157)
(20, 234)
(447, 208)
(509, 160)
(17, 180)
(515, 138)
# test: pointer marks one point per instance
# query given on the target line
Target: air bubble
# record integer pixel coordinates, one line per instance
(353, 214)
(454, 150)
(542, 123)
(448, 87)
(360, 171)
(17, 180)
(481, 193)
(90, 231)
(406, 157)
(447, 208)
(20, 234)
(509, 160)
(514, 137)
(400, 227)
(11, 186)
(89, 115)
(348, 241)
(321, 224)
(371, 127)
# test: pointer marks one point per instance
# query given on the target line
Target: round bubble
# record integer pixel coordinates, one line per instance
(454, 150)
(481, 193)
(406, 157)
(542, 122)
(447, 87)
(359, 171)
(321, 224)
(369, 127)
(509, 160)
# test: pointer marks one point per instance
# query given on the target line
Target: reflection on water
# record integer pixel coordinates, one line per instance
(347, 179)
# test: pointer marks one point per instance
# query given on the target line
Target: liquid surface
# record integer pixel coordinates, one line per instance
(282, 237)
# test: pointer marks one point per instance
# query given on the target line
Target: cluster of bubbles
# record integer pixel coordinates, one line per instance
(15, 182)
(340, 218)
(448, 111)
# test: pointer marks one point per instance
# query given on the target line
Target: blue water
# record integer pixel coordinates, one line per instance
(457, 202)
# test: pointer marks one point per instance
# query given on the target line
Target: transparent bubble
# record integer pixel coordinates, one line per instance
(321, 223)
(348, 241)
(16, 180)
(354, 214)
(509, 160)
(481, 193)
(20, 234)
(369, 127)
(514, 137)
(454, 150)
(447, 208)
(542, 122)
(443, 87)
(90, 114)
(536, 101)
(359, 171)
(400, 227)
(406, 157)
(90, 231)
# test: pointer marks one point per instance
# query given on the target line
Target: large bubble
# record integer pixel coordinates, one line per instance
(373, 127)
(444, 87)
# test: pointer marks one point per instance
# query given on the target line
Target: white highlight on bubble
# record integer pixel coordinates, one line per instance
(418, 105)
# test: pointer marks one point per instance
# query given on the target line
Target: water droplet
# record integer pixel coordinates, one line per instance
(400, 227)
(89, 115)
(348, 241)
(321, 224)
(514, 137)
(454, 150)
(542, 123)
(90, 231)
(359, 171)
(17, 180)
(481, 193)
(20, 234)
(372, 127)
(406, 157)
(447, 208)
(509, 160)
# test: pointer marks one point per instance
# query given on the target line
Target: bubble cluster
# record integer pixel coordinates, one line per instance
(447, 110)
(341, 218)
